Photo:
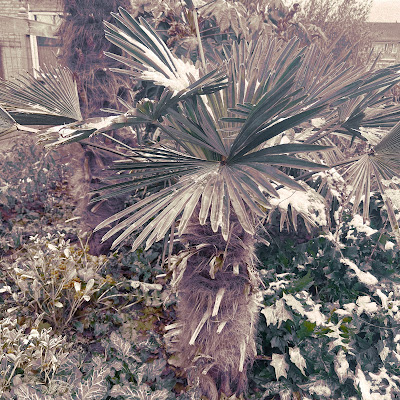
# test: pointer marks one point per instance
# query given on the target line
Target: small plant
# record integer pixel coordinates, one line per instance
(36, 355)
(53, 278)
(136, 377)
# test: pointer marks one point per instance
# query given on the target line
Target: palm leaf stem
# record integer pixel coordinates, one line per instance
(200, 44)
(120, 143)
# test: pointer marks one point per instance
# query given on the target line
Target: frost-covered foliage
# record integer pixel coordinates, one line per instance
(52, 278)
(55, 285)
(28, 176)
(331, 312)
(39, 352)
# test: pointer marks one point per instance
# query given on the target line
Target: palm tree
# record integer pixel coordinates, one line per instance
(221, 158)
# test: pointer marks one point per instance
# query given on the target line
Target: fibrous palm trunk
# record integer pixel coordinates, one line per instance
(217, 309)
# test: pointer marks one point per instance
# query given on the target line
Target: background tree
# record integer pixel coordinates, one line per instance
(84, 45)
(343, 22)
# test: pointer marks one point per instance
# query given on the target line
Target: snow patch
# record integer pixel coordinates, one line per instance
(341, 366)
(320, 388)
(365, 305)
(358, 225)
(309, 204)
(389, 245)
(364, 277)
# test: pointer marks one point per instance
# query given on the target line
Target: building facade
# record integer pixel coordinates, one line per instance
(27, 35)
(386, 43)
(28, 27)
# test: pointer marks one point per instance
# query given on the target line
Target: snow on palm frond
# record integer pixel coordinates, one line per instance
(154, 61)
(373, 135)
(310, 205)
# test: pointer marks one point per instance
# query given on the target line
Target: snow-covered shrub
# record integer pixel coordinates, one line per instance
(35, 353)
(51, 277)
(330, 318)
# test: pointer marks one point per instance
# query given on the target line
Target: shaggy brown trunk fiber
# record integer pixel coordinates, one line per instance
(217, 308)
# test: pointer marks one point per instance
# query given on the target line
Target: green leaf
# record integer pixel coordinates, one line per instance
(306, 329)
(301, 284)
(257, 138)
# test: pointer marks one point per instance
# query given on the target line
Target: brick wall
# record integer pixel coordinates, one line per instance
(11, 7)
(46, 5)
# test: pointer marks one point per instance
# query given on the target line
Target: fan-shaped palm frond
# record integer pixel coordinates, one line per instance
(49, 99)
(254, 67)
(227, 162)
(219, 126)
(152, 59)
(324, 80)
(378, 169)
(311, 79)
(369, 110)
(146, 111)
(205, 174)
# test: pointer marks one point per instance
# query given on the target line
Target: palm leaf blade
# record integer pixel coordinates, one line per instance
(54, 95)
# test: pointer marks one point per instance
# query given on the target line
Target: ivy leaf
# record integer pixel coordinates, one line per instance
(297, 359)
(281, 312)
(276, 314)
(280, 365)
(269, 314)
(306, 329)
(295, 304)
(151, 371)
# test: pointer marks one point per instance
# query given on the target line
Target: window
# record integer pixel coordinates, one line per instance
(44, 49)
(389, 48)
